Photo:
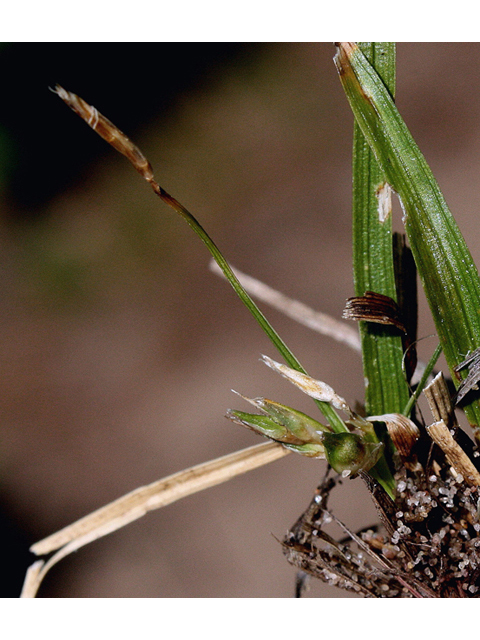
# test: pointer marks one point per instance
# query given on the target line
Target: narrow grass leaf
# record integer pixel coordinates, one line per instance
(386, 389)
(109, 132)
(449, 276)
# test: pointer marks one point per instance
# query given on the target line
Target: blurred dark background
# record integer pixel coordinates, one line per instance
(118, 346)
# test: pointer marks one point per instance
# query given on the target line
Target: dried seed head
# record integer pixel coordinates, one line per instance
(107, 130)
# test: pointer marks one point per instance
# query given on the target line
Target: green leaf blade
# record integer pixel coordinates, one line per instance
(449, 276)
(386, 389)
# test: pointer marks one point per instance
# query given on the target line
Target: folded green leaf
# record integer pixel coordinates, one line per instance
(294, 429)
(386, 388)
(449, 276)
(264, 425)
(297, 422)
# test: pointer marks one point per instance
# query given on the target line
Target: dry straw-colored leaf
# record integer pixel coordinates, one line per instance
(440, 402)
(137, 503)
(298, 311)
(455, 455)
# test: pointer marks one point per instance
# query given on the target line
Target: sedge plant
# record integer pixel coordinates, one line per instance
(422, 472)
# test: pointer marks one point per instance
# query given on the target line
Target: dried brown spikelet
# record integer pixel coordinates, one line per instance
(107, 130)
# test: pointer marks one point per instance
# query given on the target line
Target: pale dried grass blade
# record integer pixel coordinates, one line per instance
(165, 491)
(137, 503)
(455, 455)
(301, 313)
(32, 579)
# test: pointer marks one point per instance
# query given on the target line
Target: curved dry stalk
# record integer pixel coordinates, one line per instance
(316, 320)
(137, 503)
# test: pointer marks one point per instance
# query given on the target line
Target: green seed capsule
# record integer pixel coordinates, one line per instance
(348, 454)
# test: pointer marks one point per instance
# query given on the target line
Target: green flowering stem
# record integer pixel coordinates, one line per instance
(125, 146)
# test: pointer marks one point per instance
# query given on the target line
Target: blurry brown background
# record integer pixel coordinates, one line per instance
(118, 346)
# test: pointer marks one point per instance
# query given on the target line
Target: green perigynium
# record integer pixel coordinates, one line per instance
(347, 452)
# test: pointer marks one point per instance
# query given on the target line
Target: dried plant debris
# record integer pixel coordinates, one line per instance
(380, 309)
(374, 307)
(428, 545)
(472, 380)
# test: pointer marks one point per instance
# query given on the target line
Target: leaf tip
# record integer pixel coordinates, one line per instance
(344, 52)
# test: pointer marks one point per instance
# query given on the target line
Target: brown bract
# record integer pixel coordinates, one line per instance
(374, 307)
(107, 130)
